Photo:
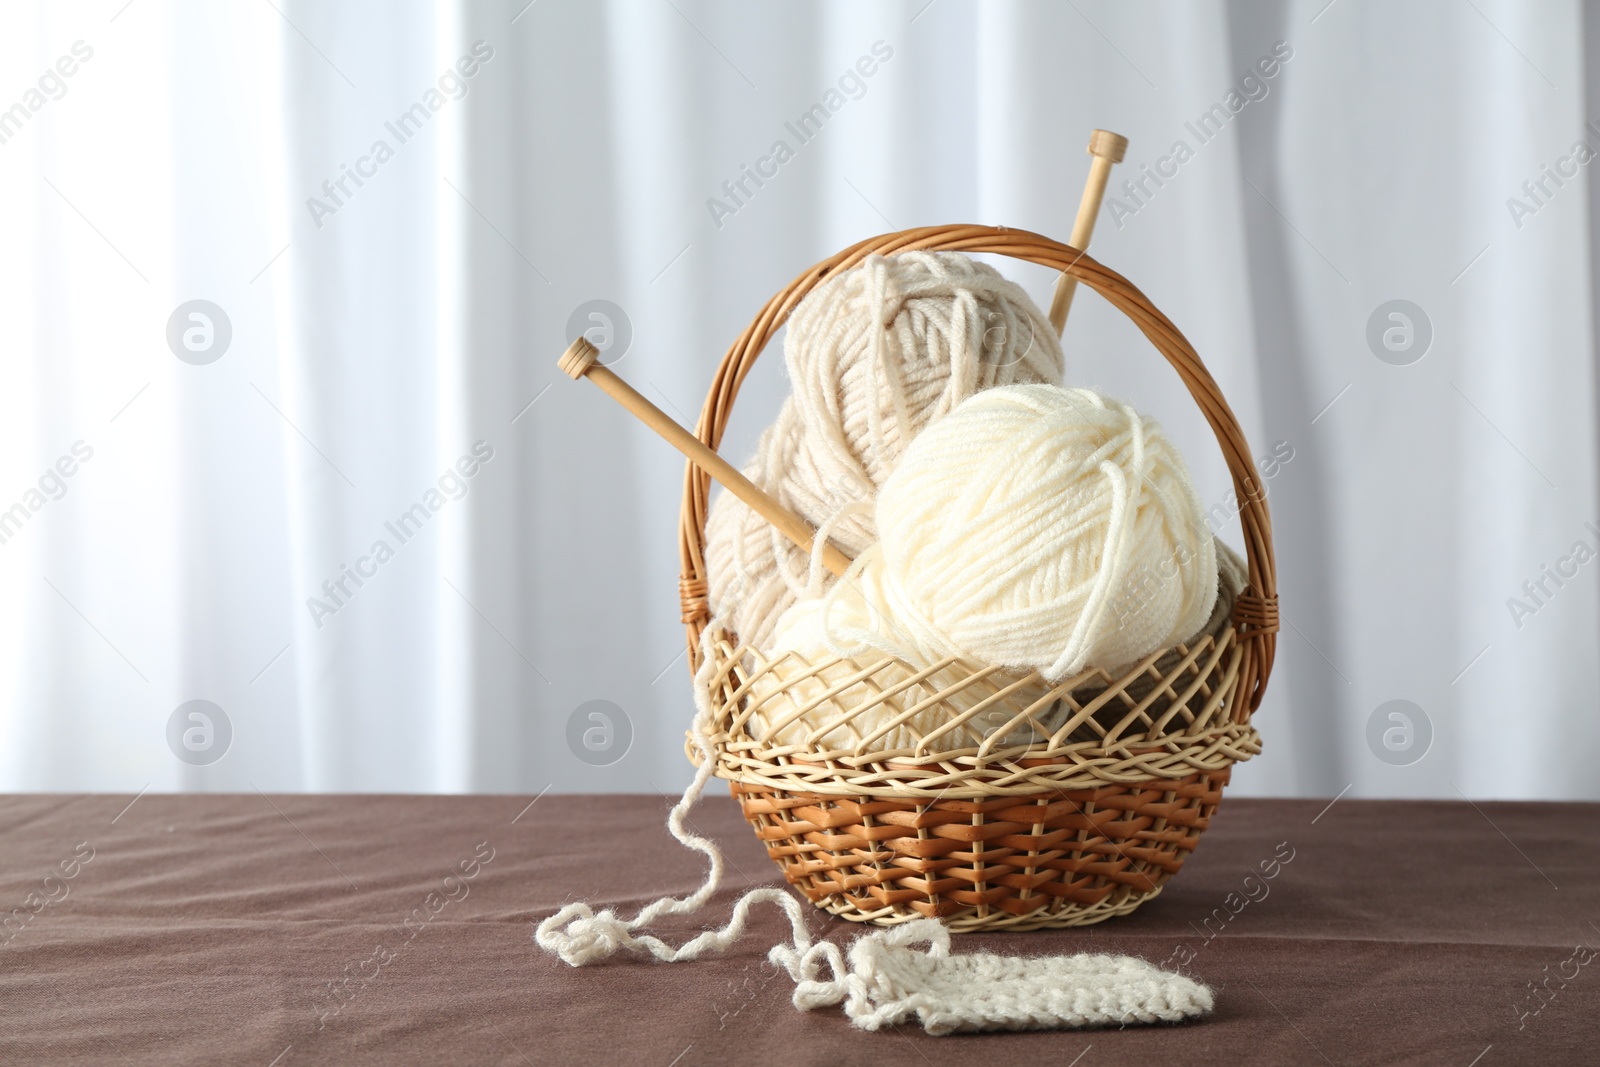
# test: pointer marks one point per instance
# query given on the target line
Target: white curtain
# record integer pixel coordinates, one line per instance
(390, 375)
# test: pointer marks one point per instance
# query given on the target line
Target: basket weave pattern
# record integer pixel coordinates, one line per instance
(1064, 858)
(1114, 778)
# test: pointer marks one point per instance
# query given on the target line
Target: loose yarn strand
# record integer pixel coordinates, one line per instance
(580, 936)
(815, 571)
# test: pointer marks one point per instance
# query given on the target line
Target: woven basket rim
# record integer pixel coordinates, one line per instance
(1187, 720)
(1255, 613)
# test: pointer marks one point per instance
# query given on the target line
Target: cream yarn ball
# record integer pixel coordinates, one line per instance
(874, 354)
(1048, 528)
(1032, 528)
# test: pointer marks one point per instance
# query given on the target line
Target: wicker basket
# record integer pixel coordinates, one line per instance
(1086, 820)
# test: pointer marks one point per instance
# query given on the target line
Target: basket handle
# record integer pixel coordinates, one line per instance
(1255, 613)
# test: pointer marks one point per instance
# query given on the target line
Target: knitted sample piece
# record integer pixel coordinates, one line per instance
(890, 982)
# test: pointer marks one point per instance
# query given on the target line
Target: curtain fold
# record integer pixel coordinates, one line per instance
(394, 549)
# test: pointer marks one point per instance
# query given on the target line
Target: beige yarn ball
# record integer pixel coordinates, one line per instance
(874, 354)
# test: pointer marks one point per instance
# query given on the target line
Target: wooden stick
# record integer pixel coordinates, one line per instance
(1106, 149)
(579, 362)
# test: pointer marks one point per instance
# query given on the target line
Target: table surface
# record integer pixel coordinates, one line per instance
(274, 930)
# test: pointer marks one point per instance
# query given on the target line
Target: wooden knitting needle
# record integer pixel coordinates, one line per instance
(1106, 149)
(578, 361)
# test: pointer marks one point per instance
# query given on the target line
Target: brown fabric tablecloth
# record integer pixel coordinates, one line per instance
(273, 931)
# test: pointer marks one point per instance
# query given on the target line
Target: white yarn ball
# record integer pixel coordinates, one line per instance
(1048, 528)
(874, 355)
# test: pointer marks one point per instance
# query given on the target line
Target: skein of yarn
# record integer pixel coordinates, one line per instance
(1036, 528)
(874, 355)
(1049, 529)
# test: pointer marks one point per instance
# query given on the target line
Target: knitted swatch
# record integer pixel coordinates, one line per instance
(889, 983)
